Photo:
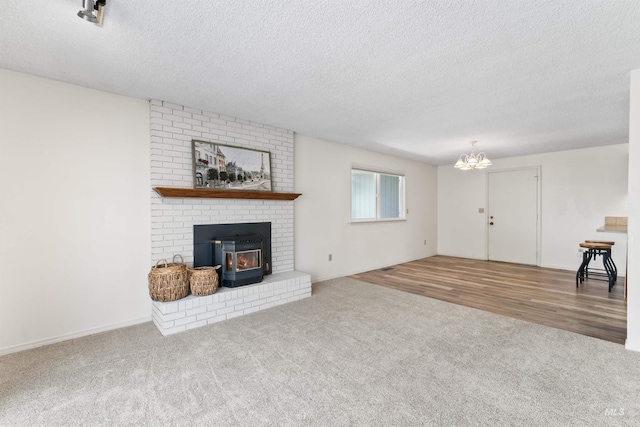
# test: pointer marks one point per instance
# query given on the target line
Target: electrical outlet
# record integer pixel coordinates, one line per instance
(330, 257)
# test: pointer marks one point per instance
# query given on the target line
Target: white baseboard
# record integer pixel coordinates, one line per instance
(561, 267)
(632, 345)
(461, 256)
(351, 273)
(65, 337)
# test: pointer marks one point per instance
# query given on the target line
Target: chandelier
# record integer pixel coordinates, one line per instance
(473, 160)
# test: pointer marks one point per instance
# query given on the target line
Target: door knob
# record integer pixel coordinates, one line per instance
(491, 223)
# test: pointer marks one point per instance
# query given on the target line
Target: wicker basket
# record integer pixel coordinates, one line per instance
(168, 281)
(203, 280)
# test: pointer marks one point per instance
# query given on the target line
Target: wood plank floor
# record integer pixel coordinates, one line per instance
(540, 295)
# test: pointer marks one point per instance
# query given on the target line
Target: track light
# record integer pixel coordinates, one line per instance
(92, 10)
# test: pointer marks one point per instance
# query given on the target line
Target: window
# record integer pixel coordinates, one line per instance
(376, 195)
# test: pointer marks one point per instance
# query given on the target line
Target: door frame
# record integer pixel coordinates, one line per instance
(538, 170)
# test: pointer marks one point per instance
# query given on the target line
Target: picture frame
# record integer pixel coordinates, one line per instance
(224, 167)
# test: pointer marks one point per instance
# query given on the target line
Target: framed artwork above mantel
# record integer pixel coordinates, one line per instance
(224, 167)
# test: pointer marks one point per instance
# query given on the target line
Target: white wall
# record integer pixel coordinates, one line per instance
(633, 295)
(74, 211)
(578, 189)
(323, 176)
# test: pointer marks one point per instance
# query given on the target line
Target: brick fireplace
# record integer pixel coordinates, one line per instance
(173, 127)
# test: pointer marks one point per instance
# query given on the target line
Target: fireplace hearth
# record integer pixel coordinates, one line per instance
(242, 250)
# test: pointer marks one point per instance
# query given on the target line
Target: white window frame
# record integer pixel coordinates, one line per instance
(378, 172)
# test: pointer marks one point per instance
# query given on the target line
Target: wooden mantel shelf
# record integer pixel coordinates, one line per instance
(201, 193)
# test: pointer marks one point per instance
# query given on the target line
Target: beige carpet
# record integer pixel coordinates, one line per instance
(353, 354)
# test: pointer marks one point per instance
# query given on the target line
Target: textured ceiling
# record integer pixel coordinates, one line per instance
(418, 79)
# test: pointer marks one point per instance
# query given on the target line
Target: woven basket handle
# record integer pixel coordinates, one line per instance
(181, 259)
(162, 260)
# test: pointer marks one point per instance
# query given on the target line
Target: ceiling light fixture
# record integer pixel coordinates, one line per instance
(92, 10)
(473, 160)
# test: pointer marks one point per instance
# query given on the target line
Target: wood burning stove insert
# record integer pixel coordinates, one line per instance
(242, 250)
(240, 258)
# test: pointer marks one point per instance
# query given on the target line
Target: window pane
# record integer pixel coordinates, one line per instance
(363, 194)
(389, 196)
(376, 195)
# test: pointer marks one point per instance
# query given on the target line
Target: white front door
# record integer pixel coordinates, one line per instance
(513, 216)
